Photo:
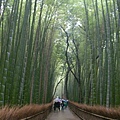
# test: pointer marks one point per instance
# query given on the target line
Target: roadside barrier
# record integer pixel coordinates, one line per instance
(87, 115)
(39, 116)
(26, 112)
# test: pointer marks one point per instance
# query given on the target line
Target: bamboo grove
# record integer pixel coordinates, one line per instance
(40, 39)
(93, 59)
(26, 50)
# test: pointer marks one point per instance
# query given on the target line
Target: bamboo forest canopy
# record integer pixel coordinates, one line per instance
(45, 43)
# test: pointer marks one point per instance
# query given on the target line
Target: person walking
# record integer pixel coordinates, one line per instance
(57, 102)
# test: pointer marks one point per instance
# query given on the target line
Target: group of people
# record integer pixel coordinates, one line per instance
(59, 103)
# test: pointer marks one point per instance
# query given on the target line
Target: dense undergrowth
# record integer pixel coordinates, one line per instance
(100, 110)
(17, 113)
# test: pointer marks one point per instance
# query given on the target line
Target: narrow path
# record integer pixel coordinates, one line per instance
(62, 115)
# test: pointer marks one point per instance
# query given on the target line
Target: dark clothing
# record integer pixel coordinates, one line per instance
(57, 105)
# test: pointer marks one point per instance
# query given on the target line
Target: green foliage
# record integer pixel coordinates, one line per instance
(43, 40)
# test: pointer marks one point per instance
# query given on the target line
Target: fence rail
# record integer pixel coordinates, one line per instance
(39, 116)
(85, 115)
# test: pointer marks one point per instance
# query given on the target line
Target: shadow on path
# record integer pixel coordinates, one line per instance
(62, 115)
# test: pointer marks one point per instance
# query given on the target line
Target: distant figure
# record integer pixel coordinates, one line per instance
(64, 104)
(57, 102)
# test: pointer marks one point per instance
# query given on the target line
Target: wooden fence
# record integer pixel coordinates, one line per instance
(85, 115)
(39, 116)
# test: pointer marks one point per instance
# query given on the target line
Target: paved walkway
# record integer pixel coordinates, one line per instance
(62, 115)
